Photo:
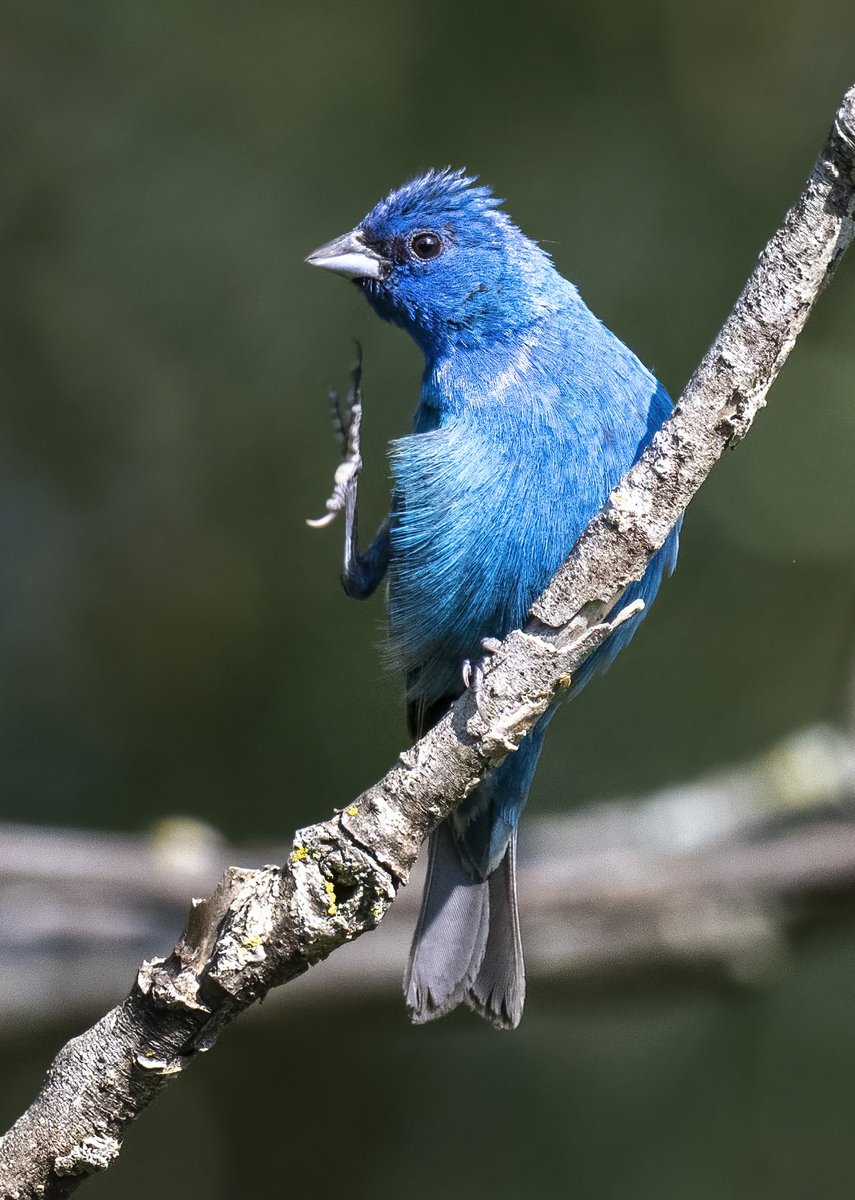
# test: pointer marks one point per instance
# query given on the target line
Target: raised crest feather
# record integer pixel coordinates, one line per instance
(439, 192)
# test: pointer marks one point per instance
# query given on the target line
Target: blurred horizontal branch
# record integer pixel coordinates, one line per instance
(712, 873)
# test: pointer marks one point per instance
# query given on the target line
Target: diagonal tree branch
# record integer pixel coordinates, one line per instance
(262, 928)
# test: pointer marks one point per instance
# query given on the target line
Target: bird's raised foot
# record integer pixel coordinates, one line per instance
(346, 421)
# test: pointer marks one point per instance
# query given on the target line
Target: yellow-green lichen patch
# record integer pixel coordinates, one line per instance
(329, 888)
(299, 853)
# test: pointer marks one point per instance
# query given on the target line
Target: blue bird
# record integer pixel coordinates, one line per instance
(530, 412)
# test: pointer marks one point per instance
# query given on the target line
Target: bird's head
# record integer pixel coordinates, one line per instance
(439, 257)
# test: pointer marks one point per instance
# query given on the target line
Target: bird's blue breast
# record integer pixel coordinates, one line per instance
(514, 449)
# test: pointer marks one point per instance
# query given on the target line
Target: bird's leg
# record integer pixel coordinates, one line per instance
(473, 673)
(361, 572)
(346, 422)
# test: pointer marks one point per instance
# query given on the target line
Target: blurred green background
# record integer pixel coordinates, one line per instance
(173, 638)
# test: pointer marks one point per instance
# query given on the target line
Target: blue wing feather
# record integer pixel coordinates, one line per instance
(508, 462)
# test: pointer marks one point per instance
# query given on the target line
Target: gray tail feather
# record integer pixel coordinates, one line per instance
(497, 992)
(466, 948)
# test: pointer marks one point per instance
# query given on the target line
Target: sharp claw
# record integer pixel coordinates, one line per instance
(346, 421)
(346, 475)
(320, 522)
(627, 613)
(473, 673)
(473, 679)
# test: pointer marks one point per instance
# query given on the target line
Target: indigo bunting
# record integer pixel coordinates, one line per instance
(530, 412)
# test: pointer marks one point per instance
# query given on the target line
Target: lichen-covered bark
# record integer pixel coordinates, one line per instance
(261, 928)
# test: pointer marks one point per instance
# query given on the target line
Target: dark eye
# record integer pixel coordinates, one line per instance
(426, 245)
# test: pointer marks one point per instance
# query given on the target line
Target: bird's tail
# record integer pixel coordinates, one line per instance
(467, 947)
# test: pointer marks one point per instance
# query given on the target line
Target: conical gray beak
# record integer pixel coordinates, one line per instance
(349, 255)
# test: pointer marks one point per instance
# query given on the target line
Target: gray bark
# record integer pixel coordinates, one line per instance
(263, 928)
